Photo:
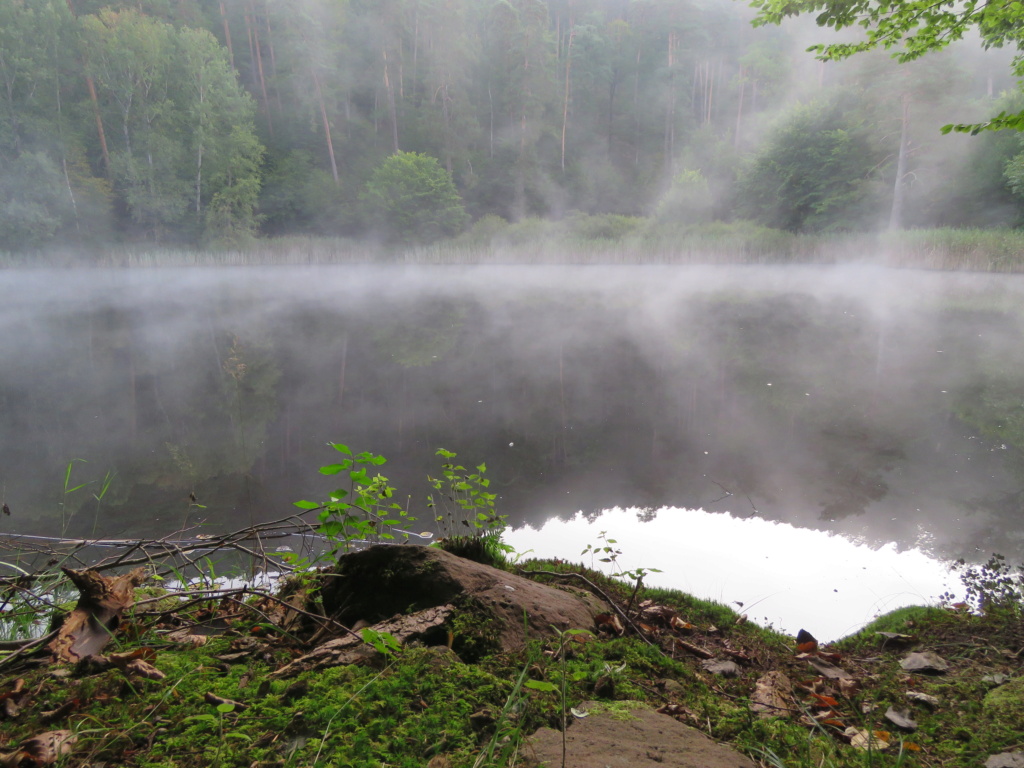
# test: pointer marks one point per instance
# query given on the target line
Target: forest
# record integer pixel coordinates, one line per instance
(203, 124)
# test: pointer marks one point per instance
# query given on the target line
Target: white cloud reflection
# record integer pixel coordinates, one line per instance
(789, 577)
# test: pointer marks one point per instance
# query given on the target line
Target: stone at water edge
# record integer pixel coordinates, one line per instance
(380, 582)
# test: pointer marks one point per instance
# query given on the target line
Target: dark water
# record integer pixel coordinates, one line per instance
(884, 405)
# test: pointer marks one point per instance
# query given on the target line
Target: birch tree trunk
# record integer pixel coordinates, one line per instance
(896, 214)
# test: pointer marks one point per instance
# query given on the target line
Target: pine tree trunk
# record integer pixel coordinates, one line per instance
(327, 126)
(565, 102)
(392, 109)
(259, 67)
(227, 34)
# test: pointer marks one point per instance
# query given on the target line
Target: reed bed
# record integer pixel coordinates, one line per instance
(539, 242)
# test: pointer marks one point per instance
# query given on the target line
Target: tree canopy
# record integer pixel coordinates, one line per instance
(414, 198)
(208, 124)
(916, 28)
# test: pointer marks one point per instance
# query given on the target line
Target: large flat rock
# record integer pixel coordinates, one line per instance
(381, 582)
(635, 737)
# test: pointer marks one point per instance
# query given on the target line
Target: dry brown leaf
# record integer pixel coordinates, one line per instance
(144, 669)
(609, 622)
(825, 701)
(861, 738)
(848, 687)
(680, 626)
(185, 637)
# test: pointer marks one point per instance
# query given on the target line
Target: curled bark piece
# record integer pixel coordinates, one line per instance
(102, 602)
(772, 696)
(43, 749)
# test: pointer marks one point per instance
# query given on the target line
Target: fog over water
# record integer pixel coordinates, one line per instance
(881, 405)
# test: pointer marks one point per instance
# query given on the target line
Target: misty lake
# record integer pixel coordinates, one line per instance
(818, 416)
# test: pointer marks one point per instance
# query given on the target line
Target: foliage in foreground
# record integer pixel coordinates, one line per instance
(415, 705)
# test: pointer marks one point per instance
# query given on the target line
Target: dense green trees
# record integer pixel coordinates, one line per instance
(412, 198)
(210, 123)
(181, 133)
(818, 171)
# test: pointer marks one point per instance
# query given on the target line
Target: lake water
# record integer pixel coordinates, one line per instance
(856, 406)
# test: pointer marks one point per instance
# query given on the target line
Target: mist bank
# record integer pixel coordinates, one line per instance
(879, 404)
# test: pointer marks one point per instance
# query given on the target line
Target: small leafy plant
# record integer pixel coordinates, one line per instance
(363, 511)
(465, 512)
(608, 548)
(463, 504)
(994, 585)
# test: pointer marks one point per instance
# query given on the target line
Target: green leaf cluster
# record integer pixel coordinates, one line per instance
(363, 511)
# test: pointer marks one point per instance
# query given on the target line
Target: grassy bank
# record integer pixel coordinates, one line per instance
(455, 704)
(584, 239)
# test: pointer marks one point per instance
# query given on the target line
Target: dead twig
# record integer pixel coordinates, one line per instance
(596, 589)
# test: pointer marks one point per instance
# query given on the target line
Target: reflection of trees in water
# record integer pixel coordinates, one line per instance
(574, 401)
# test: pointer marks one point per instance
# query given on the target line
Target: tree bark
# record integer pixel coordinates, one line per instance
(227, 34)
(392, 109)
(565, 101)
(896, 214)
(259, 67)
(327, 125)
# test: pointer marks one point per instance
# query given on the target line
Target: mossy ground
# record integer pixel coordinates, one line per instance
(428, 705)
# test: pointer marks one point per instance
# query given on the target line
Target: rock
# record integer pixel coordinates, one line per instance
(901, 718)
(896, 639)
(926, 661)
(383, 581)
(930, 701)
(629, 736)
(1006, 760)
(828, 669)
(720, 667)
(1006, 703)
(671, 687)
(997, 679)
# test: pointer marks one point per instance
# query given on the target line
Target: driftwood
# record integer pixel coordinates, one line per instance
(102, 601)
(352, 649)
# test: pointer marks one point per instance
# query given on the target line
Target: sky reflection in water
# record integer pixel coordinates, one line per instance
(789, 577)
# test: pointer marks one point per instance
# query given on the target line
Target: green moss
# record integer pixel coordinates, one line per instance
(1005, 704)
(475, 631)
